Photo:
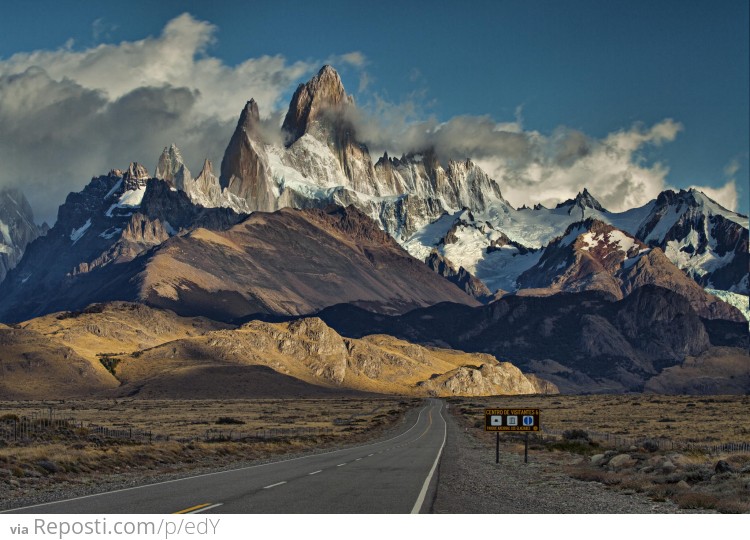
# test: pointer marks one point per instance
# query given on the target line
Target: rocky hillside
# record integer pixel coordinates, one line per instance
(592, 255)
(130, 237)
(125, 349)
(580, 341)
(99, 231)
(290, 262)
(308, 350)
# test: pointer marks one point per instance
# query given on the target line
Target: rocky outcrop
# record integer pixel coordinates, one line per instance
(172, 169)
(245, 174)
(315, 104)
(486, 380)
(135, 177)
(461, 278)
(308, 350)
(578, 205)
(205, 189)
(17, 228)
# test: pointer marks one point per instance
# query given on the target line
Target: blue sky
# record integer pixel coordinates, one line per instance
(590, 68)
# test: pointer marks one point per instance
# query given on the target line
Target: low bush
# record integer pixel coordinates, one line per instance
(229, 420)
(575, 434)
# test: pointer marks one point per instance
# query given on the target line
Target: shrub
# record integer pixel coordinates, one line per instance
(575, 434)
(650, 446)
(228, 420)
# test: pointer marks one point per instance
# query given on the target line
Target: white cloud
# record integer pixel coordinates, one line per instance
(179, 58)
(67, 115)
(725, 195)
(732, 168)
(530, 167)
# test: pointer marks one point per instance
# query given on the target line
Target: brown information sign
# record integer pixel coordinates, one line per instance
(511, 419)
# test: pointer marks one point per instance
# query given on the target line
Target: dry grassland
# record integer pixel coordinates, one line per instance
(74, 460)
(182, 420)
(685, 419)
(693, 478)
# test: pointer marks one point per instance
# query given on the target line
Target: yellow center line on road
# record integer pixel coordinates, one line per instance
(193, 508)
(429, 423)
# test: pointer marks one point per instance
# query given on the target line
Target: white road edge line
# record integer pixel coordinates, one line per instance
(218, 472)
(204, 509)
(314, 472)
(370, 455)
(340, 464)
(358, 459)
(274, 485)
(422, 494)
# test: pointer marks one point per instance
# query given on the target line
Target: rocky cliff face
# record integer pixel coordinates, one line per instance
(172, 169)
(17, 228)
(245, 175)
(324, 163)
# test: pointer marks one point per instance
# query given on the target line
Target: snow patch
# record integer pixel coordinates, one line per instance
(714, 208)
(110, 233)
(114, 189)
(5, 230)
(77, 234)
(132, 198)
(740, 301)
(616, 239)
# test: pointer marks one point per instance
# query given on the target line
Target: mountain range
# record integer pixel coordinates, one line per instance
(290, 228)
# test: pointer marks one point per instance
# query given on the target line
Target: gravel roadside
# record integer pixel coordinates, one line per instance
(469, 481)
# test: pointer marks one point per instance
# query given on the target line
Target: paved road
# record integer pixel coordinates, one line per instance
(394, 475)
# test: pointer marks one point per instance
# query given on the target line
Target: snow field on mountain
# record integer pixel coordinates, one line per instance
(740, 301)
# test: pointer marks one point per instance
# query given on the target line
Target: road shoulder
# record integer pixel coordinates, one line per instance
(469, 481)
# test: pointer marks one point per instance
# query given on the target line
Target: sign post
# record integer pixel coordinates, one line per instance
(497, 448)
(523, 420)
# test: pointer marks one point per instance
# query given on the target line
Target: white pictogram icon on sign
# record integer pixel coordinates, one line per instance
(528, 420)
(512, 421)
(496, 420)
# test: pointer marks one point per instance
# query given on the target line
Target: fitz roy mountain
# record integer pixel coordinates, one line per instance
(451, 216)
(454, 208)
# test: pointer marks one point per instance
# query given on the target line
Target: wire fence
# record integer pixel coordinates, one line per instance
(213, 435)
(655, 443)
(52, 423)
(42, 424)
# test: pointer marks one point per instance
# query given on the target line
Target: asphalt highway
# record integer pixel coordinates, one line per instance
(394, 475)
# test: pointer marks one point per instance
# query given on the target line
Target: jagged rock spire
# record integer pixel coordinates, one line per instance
(324, 91)
(171, 168)
(136, 176)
